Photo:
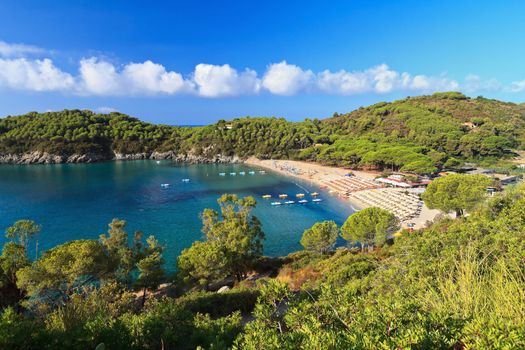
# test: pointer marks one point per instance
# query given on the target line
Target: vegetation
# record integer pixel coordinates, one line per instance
(233, 243)
(456, 284)
(456, 192)
(370, 226)
(419, 135)
(321, 237)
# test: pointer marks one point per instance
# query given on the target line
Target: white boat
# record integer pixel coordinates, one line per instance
(284, 195)
(303, 201)
(233, 174)
(251, 172)
(289, 202)
(317, 200)
(262, 172)
(158, 161)
(164, 185)
(242, 173)
(222, 174)
(185, 180)
(276, 203)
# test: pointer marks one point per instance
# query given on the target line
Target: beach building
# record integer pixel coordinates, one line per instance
(508, 179)
(504, 179)
(401, 180)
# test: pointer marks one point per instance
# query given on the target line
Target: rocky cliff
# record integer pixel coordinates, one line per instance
(38, 157)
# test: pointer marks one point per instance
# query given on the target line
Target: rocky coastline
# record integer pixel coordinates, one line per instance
(38, 157)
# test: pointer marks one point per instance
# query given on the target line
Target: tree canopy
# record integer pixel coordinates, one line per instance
(233, 242)
(455, 284)
(370, 226)
(456, 192)
(63, 269)
(321, 237)
(402, 135)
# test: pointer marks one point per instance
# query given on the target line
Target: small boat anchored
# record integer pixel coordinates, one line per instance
(233, 174)
(283, 195)
(303, 201)
(251, 172)
(317, 200)
(185, 180)
(299, 195)
(262, 172)
(267, 196)
(314, 194)
(164, 185)
(289, 202)
(222, 174)
(242, 173)
(276, 203)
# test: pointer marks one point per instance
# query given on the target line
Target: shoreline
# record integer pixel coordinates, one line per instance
(321, 175)
(317, 174)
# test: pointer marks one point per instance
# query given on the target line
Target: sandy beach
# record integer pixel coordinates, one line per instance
(322, 175)
(317, 173)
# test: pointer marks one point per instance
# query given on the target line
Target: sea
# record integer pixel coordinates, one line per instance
(77, 201)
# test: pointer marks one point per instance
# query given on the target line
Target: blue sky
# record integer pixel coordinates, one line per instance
(195, 62)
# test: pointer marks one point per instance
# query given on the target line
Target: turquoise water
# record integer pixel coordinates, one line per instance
(74, 201)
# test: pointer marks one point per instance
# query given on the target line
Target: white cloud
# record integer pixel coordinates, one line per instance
(384, 79)
(286, 79)
(474, 83)
(106, 110)
(98, 78)
(152, 78)
(18, 50)
(379, 79)
(430, 84)
(33, 75)
(517, 86)
(343, 82)
(103, 78)
(216, 81)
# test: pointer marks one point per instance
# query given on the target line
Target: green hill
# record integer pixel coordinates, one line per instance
(417, 134)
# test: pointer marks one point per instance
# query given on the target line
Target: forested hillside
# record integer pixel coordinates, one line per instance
(419, 134)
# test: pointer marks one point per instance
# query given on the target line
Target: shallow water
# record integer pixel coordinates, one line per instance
(73, 201)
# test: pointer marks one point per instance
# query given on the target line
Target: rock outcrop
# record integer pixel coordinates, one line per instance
(37, 157)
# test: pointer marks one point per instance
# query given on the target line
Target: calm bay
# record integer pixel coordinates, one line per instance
(77, 201)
